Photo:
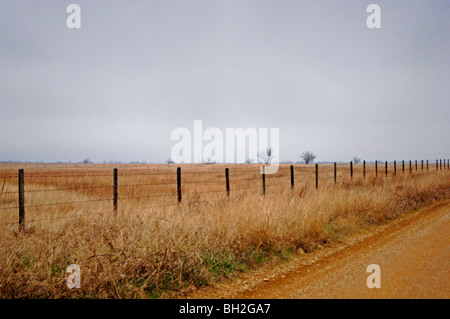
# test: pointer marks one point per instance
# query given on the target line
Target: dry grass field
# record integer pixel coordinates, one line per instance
(154, 246)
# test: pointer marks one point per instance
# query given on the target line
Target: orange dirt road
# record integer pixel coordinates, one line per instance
(413, 253)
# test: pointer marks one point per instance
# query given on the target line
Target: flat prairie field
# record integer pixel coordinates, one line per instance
(159, 230)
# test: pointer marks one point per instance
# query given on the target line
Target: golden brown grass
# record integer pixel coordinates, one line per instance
(145, 250)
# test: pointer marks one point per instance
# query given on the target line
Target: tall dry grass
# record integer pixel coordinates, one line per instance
(148, 252)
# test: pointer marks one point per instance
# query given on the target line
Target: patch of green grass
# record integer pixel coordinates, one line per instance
(260, 257)
(138, 282)
(221, 264)
(330, 228)
(28, 262)
(57, 270)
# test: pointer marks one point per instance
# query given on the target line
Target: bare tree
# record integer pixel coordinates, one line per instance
(308, 157)
(86, 161)
(169, 161)
(356, 160)
(208, 161)
(266, 156)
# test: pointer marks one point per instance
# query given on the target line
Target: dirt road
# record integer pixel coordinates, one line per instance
(413, 254)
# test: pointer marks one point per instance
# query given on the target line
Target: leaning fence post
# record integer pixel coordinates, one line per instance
(227, 177)
(264, 180)
(21, 200)
(179, 183)
(292, 176)
(317, 176)
(116, 188)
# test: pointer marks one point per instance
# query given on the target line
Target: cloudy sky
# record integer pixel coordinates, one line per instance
(136, 70)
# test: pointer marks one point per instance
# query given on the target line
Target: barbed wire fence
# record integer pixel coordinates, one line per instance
(230, 181)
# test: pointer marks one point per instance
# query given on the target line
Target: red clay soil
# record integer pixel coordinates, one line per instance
(413, 253)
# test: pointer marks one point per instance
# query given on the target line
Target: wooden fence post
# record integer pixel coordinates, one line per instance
(386, 168)
(351, 170)
(317, 176)
(427, 165)
(21, 200)
(227, 177)
(422, 165)
(364, 169)
(403, 166)
(376, 168)
(179, 184)
(410, 166)
(264, 180)
(116, 190)
(395, 167)
(416, 164)
(335, 173)
(292, 176)
(437, 166)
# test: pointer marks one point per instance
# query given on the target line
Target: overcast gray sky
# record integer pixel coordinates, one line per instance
(136, 70)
